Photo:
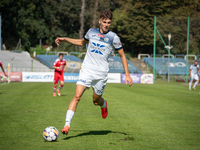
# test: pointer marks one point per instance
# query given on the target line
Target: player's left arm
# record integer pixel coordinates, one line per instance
(65, 68)
(128, 79)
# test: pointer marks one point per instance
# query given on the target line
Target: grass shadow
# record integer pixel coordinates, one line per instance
(101, 132)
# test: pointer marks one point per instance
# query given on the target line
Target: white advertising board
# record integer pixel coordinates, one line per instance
(114, 78)
(37, 76)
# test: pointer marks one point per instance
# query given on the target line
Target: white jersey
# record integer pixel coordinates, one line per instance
(99, 50)
(194, 69)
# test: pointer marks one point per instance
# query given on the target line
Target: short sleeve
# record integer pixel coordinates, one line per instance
(191, 67)
(86, 37)
(65, 63)
(198, 67)
(117, 43)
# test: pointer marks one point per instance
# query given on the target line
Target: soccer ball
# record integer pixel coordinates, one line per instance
(50, 134)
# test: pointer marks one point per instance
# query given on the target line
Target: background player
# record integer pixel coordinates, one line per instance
(194, 73)
(94, 69)
(1, 65)
(59, 66)
(4, 78)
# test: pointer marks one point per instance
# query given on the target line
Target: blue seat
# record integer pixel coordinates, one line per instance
(115, 66)
(48, 60)
(161, 65)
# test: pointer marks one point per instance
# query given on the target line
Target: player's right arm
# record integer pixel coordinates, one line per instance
(78, 42)
(55, 66)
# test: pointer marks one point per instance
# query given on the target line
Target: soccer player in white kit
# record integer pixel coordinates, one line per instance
(194, 74)
(94, 69)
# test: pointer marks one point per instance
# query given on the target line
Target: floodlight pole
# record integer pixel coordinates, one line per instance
(154, 50)
(168, 49)
(12, 64)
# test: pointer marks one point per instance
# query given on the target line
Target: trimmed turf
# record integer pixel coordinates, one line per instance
(159, 116)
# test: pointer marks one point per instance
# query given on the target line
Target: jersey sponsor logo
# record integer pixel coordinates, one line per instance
(100, 35)
(97, 48)
(106, 39)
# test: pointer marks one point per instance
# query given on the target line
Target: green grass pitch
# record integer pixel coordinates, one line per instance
(159, 116)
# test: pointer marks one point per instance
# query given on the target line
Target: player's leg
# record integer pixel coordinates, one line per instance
(60, 86)
(72, 107)
(54, 89)
(197, 81)
(98, 100)
(55, 82)
(98, 89)
(190, 83)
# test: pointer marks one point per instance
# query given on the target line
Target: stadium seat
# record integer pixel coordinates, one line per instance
(48, 60)
(115, 66)
(161, 65)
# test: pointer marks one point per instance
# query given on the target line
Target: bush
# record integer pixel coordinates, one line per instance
(39, 50)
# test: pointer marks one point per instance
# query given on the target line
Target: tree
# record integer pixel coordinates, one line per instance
(134, 22)
(82, 14)
(39, 19)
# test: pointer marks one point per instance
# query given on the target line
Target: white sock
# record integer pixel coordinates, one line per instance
(69, 116)
(190, 84)
(104, 105)
(195, 84)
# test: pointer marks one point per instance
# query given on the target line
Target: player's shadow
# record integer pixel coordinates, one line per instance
(101, 132)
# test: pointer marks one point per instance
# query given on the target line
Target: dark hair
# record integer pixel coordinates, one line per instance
(60, 54)
(106, 14)
(195, 61)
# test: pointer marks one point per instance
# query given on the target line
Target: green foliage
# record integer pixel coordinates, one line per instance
(39, 50)
(133, 22)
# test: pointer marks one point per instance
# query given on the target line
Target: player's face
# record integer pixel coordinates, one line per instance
(196, 63)
(61, 57)
(104, 24)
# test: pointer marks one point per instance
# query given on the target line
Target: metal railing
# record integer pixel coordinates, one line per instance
(29, 69)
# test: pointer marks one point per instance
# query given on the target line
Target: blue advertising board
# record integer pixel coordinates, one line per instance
(71, 77)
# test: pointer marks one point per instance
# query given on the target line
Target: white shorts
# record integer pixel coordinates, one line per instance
(97, 81)
(194, 76)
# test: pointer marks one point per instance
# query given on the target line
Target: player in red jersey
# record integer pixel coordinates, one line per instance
(1, 65)
(60, 67)
(3, 78)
